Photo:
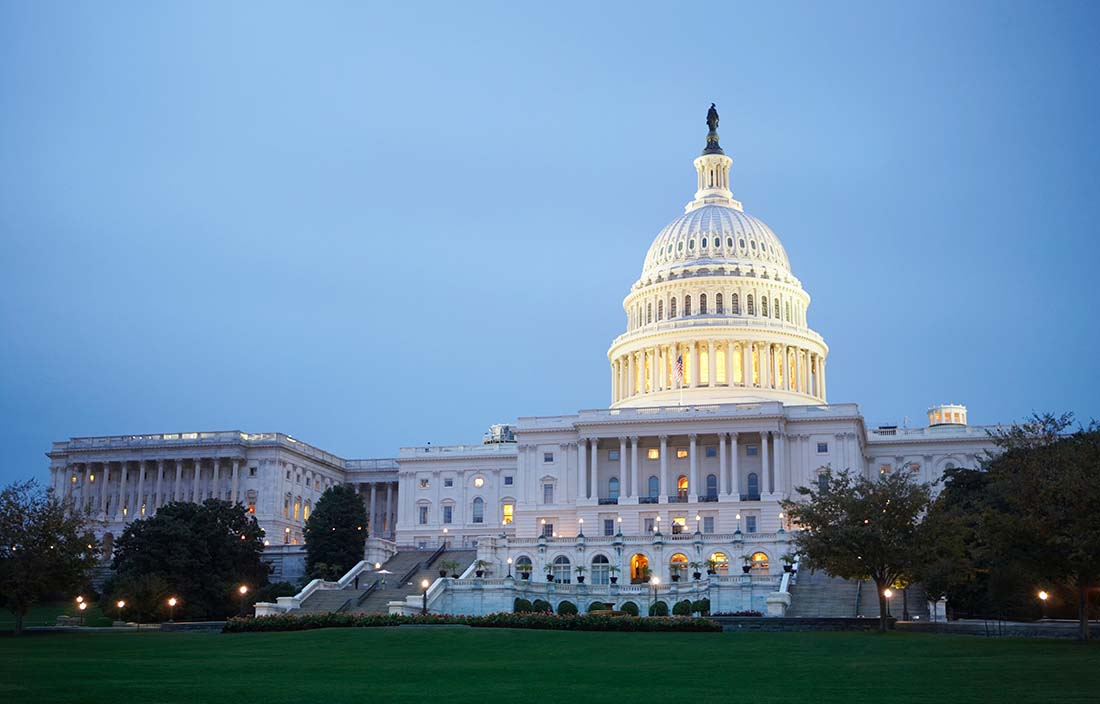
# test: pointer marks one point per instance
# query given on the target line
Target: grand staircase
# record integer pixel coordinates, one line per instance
(405, 571)
(818, 595)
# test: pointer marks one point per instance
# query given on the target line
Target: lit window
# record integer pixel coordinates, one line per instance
(822, 448)
(759, 561)
(884, 469)
(509, 513)
(681, 454)
(479, 482)
(91, 478)
(252, 506)
(653, 453)
(305, 513)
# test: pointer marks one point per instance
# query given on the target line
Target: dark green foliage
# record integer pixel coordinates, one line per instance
(597, 606)
(682, 608)
(542, 606)
(659, 608)
(144, 595)
(523, 606)
(587, 622)
(44, 549)
(567, 608)
(202, 552)
(335, 533)
(701, 606)
(630, 607)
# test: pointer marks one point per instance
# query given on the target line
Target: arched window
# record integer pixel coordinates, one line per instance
(479, 510)
(702, 304)
(660, 311)
(687, 305)
(654, 486)
(748, 304)
(613, 488)
(677, 564)
(760, 561)
(719, 562)
(672, 308)
(648, 313)
(754, 484)
(718, 304)
(306, 511)
(775, 308)
(601, 569)
(524, 565)
(712, 486)
(764, 306)
(562, 569)
(682, 487)
(297, 507)
(735, 306)
(639, 569)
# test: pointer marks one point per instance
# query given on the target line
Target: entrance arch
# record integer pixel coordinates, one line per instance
(639, 569)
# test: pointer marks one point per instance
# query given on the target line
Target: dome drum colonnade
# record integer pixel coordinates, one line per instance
(716, 310)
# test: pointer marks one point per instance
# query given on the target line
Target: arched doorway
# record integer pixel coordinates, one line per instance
(639, 569)
(682, 488)
(677, 566)
(719, 562)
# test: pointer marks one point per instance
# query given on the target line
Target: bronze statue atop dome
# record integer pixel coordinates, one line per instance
(712, 135)
(712, 118)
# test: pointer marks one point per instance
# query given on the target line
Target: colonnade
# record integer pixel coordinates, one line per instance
(381, 511)
(718, 363)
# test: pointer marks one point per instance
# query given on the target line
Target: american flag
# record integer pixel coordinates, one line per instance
(680, 369)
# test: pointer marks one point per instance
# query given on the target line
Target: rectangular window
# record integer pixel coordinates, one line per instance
(288, 475)
(251, 471)
(653, 453)
(609, 526)
(424, 483)
(750, 524)
(508, 480)
(822, 448)
(548, 457)
(752, 450)
(448, 513)
(548, 493)
(422, 515)
(547, 530)
(649, 524)
(884, 469)
(612, 454)
(509, 513)
(712, 451)
(681, 454)
(448, 483)
(708, 524)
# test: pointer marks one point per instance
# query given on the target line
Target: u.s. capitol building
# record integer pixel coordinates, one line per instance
(718, 412)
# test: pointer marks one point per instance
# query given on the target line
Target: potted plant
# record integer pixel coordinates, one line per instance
(446, 566)
(479, 568)
(788, 562)
(695, 567)
(746, 563)
(712, 566)
(549, 573)
(525, 570)
(579, 569)
(613, 571)
(675, 571)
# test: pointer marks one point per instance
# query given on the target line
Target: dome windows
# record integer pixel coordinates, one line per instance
(691, 244)
(704, 245)
(729, 243)
(680, 246)
(687, 305)
(752, 244)
(741, 243)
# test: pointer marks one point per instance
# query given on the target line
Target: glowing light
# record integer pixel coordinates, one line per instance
(80, 600)
(888, 593)
(1043, 596)
(121, 604)
(423, 584)
(82, 606)
(173, 601)
(243, 589)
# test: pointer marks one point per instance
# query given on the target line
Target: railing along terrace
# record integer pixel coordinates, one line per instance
(647, 539)
(973, 431)
(221, 437)
(502, 448)
(715, 320)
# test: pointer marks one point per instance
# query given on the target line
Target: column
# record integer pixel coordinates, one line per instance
(179, 480)
(662, 486)
(631, 375)
(197, 473)
(216, 490)
(786, 367)
(766, 480)
(141, 489)
(582, 469)
(157, 495)
(694, 365)
(653, 369)
(615, 381)
(104, 478)
(389, 508)
(729, 363)
(765, 369)
(372, 515)
(711, 367)
(622, 466)
(824, 398)
(594, 472)
(781, 463)
(723, 481)
(735, 470)
(746, 364)
(634, 467)
(693, 476)
(236, 481)
(121, 490)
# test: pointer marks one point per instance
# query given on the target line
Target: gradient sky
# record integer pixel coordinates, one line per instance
(373, 225)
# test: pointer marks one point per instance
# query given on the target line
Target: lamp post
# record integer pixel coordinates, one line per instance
(424, 587)
(509, 568)
(242, 590)
(888, 593)
(580, 527)
(738, 517)
(1043, 596)
(654, 582)
(82, 605)
(172, 609)
(444, 538)
(121, 604)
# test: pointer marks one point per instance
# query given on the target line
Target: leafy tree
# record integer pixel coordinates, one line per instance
(44, 548)
(335, 533)
(144, 595)
(855, 528)
(203, 552)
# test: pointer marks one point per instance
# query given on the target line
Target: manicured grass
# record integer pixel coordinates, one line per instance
(425, 665)
(46, 615)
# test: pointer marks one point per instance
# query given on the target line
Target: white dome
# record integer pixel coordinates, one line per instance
(714, 235)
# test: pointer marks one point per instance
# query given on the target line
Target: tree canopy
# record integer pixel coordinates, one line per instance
(202, 552)
(336, 533)
(44, 548)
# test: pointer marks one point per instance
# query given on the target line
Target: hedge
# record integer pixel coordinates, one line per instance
(588, 622)
(542, 606)
(682, 608)
(597, 606)
(659, 608)
(630, 607)
(523, 606)
(701, 606)
(567, 608)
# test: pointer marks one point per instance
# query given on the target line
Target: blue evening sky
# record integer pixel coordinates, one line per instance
(380, 224)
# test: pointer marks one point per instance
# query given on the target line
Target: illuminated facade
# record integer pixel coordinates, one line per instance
(718, 412)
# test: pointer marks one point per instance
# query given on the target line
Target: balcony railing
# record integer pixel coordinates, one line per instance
(647, 499)
(708, 498)
(677, 499)
(608, 502)
(750, 497)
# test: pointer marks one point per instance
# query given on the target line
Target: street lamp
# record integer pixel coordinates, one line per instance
(888, 593)
(242, 590)
(172, 608)
(121, 604)
(82, 606)
(580, 527)
(444, 538)
(1043, 596)
(654, 582)
(509, 568)
(424, 587)
(738, 517)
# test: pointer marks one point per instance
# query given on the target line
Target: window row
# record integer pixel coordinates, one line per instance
(750, 304)
(477, 512)
(600, 570)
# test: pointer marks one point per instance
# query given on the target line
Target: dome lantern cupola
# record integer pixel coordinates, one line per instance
(713, 168)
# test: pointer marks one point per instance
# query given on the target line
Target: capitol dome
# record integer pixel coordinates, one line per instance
(716, 315)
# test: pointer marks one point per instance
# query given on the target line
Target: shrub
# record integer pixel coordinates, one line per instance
(630, 607)
(567, 608)
(542, 606)
(660, 608)
(589, 622)
(681, 608)
(752, 613)
(597, 606)
(522, 606)
(701, 606)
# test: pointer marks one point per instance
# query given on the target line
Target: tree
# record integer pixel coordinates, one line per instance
(144, 595)
(1047, 499)
(335, 533)
(203, 553)
(44, 548)
(855, 528)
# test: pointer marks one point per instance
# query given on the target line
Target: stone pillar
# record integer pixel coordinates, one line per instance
(765, 370)
(622, 466)
(711, 366)
(632, 376)
(216, 489)
(582, 468)
(634, 466)
(388, 527)
(121, 491)
(824, 397)
(594, 472)
(694, 365)
(141, 489)
(723, 480)
(693, 463)
(196, 479)
(729, 363)
(662, 482)
(236, 482)
(179, 480)
(781, 462)
(157, 495)
(735, 470)
(746, 364)
(373, 515)
(615, 381)
(766, 480)
(104, 478)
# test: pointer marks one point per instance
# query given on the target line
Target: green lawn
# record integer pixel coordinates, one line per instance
(427, 665)
(46, 615)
